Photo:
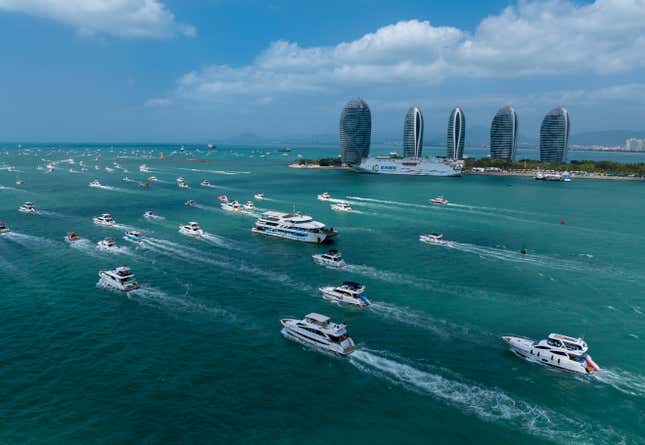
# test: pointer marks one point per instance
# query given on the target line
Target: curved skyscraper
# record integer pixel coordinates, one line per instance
(503, 134)
(456, 133)
(413, 133)
(554, 136)
(355, 131)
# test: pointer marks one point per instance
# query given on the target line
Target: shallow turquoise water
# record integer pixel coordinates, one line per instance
(196, 355)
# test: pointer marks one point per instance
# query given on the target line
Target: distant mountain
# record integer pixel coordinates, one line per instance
(606, 137)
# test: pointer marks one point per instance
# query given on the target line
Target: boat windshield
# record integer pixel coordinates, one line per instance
(338, 339)
(554, 343)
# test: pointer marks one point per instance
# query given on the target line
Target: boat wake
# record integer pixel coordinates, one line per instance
(217, 172)
(489, 404)
(390, 277)
(28, 240)
(219, 241)
(387, 203)
(114, 189)
(12, 189)
(623, 381)
(126, 227)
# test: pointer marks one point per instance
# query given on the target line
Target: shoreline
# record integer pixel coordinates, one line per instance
(531, 174)
(319, 167)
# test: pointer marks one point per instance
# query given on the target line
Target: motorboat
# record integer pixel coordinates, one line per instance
(152, 179)
(324, 197)
(190, 203)
(293, 226)
(349, 292)
(148, 214)
(233, 206)
(104, 220)
(143, 168)
(180, 179)
(433, 238)
(557, 350)
(126, 179)
(342, 206)
(259, 196)
(133, 235)
(28, 207)
(205, 183)
(95, 184)
(249, 205)
(20, 182)
(222, 198)
(439, 200)
(192, 229)
(183, 185)
(109, 169)
(121, 279)
(106, 244)
(72, 236)
(319, 332)
(4, 228)
(332, 258)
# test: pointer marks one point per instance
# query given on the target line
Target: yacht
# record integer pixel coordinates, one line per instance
(433, 238)
(342, 206)
(232, 206)
(293, 226)
(559, 351)
(183, 185)
(126, 179)
(439, 200)
(133, 236)
(3, 227)
(143, 168)
(28, 207)
(190, 203)
(95, 183)
(72, 236)
(104, 220)
(259, 196)
(205, 183)
(349, 292)
(180, 179)
(192, 228)
(20, 182)
(333, 258)
(324, 197)
(106, 244)
(152, 179)
(120, 278)
(319, 332)
(148, 214)
(249, 205)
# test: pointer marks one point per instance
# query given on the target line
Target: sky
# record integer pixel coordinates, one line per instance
(209, 70)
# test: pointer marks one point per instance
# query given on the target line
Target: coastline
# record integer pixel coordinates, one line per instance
(532, 173)
(319, 167)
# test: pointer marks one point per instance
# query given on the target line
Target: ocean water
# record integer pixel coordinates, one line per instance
(196, 355)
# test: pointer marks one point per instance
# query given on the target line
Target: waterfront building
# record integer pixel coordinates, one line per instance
(503, 134)
(355, 131)
(554, 136)
(413, 133)
(456, 134)
(633, 144)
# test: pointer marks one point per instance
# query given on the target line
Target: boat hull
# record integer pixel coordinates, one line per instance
(410, 167)
(525, 348)
(315, 238)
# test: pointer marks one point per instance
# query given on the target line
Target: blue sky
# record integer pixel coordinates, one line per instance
(189, 70)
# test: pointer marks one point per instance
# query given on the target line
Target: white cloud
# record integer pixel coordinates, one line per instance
(530, 39)
(123, 18)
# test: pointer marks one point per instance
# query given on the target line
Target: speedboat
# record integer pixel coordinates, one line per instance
(349, 292)
(342, 206)
(143, 168)
(249, 205)
(559, 351)
(259, 196)
(95, 183)
(293, 226)
(20, 182)
(319, 332)
(324, 197)
(433, 238)
(439, 200)
(183, 185)
(148, 214)
(28, 207)
(192, 228)
(120, 278)
(152, 179)
(133, 236)
(106, 244)
(126, 179)
(180, 179)
(72, 236)
(190, 203)
(205, 183)
(222, 198)
(104, 220)
(4, 228)
(333, 258)
(232, 206)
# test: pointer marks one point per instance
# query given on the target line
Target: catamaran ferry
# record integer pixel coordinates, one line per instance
(411, 166)
(293, 226)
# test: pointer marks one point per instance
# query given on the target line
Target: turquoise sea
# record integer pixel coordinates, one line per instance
(196, 355)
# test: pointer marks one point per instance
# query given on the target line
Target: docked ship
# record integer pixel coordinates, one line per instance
(293, 226)
(389, 165)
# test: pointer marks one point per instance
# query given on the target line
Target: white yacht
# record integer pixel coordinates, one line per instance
(72, 236)
(205, 183)
(183, 185)
(333, 258)
(259, 196)
(4, 228)
(439, 200)
(143, 168)
(192, 229)
(249, 206)
(317, 331)
(19, 182)
(342, 206)
(190, 203)
(293, 226)
(148, 214)
(28, 207)
(559, 351)
(95, 183)
(433, 238)
(120, 278)
(126, 179)
(152, 179)
(232, 206)
(106, 244)
(104, 220)
(180, 179)
(324, 197)
(349, 292)
(133, 235)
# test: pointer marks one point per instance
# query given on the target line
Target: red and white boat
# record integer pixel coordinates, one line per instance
(439, 200)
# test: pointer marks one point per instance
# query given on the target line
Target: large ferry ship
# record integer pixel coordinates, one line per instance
(411, 166)
(293, 226)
